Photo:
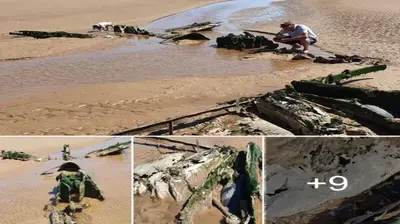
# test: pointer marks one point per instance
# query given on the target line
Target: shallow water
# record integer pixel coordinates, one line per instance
(145, 58)
(26, 194)
(234, 15)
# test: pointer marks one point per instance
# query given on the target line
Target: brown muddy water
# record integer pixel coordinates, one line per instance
(146, 58)
(24, 195)
(154, 211)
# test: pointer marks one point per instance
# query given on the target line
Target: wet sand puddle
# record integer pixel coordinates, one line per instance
(166, 210)
(26, 194)
(145, 58)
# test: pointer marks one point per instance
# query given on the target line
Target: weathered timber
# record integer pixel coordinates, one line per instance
(177, 142)
(347, 74)
(300, 117)
(194, 27)
(43, 34)
(111, 150)
(188, 212)
(152, 126)
(263, 32)
(358, 111)
(381, 98)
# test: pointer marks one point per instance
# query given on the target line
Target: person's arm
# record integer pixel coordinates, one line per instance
(301, 33)
(279, 35)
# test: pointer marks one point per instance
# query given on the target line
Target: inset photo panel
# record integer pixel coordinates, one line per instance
(65, 180)
(197, 180)
(332, 180)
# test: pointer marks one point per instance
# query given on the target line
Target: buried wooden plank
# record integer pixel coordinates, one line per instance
(178, 142)
(177, 119)
(43, 34)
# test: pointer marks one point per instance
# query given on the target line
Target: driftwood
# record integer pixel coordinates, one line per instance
(195, 27)
(263, 32)
(43, 34)
(111, 150)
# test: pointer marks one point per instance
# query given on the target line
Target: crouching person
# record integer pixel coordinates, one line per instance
(296, 35)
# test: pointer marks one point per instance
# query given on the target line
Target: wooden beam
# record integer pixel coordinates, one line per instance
(166, 122)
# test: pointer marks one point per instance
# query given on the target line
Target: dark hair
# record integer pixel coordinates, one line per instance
(287, 24)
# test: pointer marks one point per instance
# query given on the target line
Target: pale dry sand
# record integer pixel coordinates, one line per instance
(75, 16)
(368, 28)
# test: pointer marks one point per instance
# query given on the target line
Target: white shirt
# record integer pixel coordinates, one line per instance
(300, 29)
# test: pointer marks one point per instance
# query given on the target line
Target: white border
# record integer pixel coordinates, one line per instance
(132, 166)
(264, 155)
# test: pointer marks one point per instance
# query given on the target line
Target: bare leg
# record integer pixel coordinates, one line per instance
(305, 42)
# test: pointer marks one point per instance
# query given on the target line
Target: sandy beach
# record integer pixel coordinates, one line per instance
(73, 96)
(75, 16)
(26, 192)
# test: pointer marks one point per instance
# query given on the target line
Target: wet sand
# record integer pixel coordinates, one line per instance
(75, 16)
(164, 211)
(144, 82)
(24, 192)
